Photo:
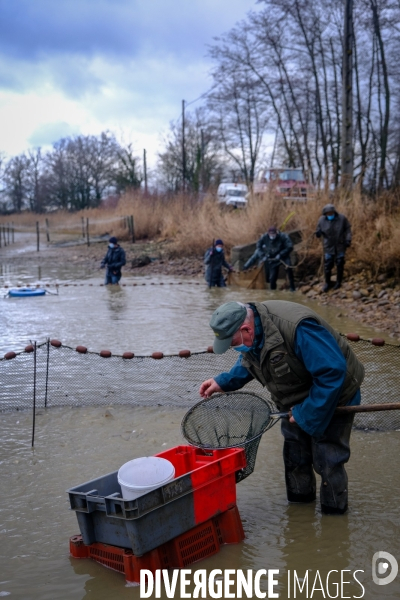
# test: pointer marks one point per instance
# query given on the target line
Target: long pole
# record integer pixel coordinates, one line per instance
(83, 227)
(47, 370)
(347, 98)
(87, 232)
(8, 233)
(37, 237)
(12, 231)
(183, 148)
(132, 229)
(145, 172)
(4, 235)
(34, 394)
(202, 186)
(47, 230)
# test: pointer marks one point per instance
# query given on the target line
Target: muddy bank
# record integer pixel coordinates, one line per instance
(374, 302)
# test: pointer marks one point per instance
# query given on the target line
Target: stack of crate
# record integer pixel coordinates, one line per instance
(173, 526)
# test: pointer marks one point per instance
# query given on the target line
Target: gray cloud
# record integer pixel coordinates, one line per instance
(33, 29)
(49, 133)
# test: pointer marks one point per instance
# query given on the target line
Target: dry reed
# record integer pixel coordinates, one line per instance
(191, 225)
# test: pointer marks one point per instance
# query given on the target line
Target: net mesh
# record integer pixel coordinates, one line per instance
(229, 420)
(64, 376)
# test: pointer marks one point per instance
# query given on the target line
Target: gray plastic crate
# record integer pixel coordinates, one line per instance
(162, 514)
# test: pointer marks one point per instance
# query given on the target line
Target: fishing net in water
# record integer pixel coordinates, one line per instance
(229, 421)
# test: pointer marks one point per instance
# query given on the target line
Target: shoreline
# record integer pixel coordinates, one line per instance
(374, 302)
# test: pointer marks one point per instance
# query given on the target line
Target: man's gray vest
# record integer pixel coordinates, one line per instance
(279, 369)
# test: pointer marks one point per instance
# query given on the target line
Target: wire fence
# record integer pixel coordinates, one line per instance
(51, 374)
(69, 231)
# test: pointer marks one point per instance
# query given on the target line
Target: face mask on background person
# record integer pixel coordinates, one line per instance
(218, 248)
(272, 236)
(330, 217)
(111, 245)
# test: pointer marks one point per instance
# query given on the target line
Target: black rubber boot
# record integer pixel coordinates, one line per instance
(333, 510)
(330, 453)
(291, 280)
(339, 274)
(327, 284)
(297, 456)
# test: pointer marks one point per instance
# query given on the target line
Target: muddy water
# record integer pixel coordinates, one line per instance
(143, 319)
(74, 445)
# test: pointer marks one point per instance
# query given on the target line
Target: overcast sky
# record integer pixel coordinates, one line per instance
(82, 66)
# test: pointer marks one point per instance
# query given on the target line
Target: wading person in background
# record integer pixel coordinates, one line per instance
(308, 368)
(272, 248)
(214, 260)
(335, 230)
(114, 260)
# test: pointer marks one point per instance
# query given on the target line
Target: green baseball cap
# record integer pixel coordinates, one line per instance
(225, 321)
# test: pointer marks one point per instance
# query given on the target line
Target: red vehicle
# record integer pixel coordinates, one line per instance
(288, 183)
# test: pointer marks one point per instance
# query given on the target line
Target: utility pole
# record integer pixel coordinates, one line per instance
(145, 172)
(347, 98)
(202, 186)
(183, 148)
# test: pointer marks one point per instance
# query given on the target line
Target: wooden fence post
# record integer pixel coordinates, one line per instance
(87, 232)
(83, 227)
(47, 229)
(132, 229)
(37, 237)
(12, 230)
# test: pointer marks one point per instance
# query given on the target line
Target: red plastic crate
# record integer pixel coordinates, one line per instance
(203, 488)
(200, 542)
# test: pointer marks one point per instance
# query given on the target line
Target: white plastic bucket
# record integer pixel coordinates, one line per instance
(142, 475)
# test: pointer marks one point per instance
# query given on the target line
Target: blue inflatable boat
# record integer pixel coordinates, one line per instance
(22, 292)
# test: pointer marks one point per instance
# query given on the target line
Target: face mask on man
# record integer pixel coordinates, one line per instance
(272, 236)
(111, 245)
(218, 248)
(242, 347)
(330, 217)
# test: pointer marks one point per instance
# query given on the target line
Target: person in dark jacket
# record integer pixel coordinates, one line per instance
(308, 368)
(272, 248)
(113, 260)
(335, 230)
(214, 260)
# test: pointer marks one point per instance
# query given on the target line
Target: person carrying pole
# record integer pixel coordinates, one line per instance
(273, 248)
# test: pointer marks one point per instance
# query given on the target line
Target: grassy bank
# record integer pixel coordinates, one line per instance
(190, 226)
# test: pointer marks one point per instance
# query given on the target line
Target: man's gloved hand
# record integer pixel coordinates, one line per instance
(102, 266)
(318, 233)
(348, 244)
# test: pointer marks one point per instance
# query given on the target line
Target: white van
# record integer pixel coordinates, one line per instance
(232, 194)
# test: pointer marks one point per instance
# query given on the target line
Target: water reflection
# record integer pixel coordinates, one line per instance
(117, 302)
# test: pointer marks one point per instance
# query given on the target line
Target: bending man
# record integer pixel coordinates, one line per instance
(272, 248)
(307, 365)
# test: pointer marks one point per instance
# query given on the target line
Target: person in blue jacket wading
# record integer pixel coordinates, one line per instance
(214, 260)
(114, 260)
(308, 368)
